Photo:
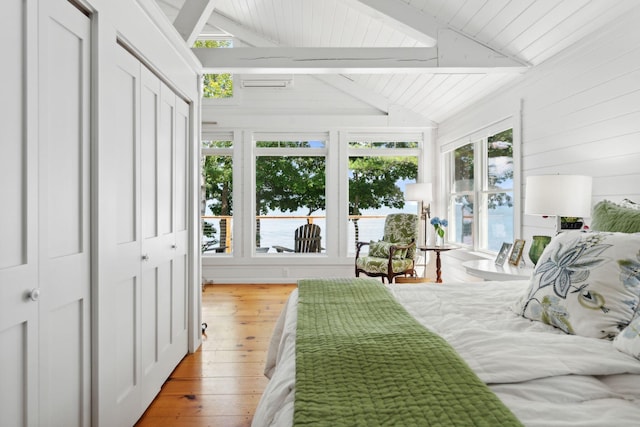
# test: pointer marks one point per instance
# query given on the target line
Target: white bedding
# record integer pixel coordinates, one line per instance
(547, 378)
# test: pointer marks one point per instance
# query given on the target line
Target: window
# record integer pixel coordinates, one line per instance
(378, 172)
(219, 86)
(290, 191)
(217, 195)
(461, 218)
(481, 182)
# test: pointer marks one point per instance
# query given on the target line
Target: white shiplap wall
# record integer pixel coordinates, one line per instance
(580, 115)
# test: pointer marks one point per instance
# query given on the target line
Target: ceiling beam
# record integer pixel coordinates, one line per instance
(462, 57)
(402, 17)
(426, 29)
(239, 31)
(337, 81)
(192, 18)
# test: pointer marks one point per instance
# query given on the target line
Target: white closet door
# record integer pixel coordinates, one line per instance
(120, 376)
(18, 216)
(180, 297)
(160, 350)
(44, 233)
(155, 274)
(64, 210)
(150, 301)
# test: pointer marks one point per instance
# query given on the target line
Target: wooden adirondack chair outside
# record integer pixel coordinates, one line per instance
(307, 239)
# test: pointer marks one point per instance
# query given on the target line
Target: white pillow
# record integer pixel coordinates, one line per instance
(628, 341)
(626, 203)
(585, 284)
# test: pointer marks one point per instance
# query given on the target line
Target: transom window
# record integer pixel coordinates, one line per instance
(216, 86)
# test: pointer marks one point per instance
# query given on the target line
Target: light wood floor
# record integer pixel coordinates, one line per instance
(221, 384)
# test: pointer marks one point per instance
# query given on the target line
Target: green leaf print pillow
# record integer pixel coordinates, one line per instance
(585, 284)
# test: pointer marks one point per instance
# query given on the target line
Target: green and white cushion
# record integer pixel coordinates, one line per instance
(381, 249)
(623, 217)
(379, 265)
(401, 228)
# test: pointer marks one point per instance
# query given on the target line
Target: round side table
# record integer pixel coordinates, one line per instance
(437, 250)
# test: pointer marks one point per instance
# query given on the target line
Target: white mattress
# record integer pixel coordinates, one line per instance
(547, 378)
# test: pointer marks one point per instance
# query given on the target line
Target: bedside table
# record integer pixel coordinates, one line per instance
(488, 270)
(437, 250)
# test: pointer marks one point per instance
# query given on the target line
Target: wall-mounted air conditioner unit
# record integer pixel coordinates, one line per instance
(267, 81)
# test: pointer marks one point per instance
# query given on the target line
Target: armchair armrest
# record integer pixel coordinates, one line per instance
(359, 246)
(394, 248)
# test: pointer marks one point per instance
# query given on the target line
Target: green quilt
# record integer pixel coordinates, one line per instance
(363, 360)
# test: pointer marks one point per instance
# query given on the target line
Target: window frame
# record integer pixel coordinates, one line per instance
(227, 152)
(290, 152)
(396, 137)
(479, 139)
(236, 97)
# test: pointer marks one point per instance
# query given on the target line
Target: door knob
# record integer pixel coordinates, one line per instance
(34, 295)
(145, 257)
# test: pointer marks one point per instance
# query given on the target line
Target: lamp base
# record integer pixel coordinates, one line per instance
(537, 247)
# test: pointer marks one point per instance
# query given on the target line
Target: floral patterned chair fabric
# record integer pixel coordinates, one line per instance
(394, 255)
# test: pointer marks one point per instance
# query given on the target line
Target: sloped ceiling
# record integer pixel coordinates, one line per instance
(461, 50)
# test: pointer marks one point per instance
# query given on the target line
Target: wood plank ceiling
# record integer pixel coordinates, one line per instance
(523, 33)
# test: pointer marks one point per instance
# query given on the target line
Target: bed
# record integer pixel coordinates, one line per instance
(560, 350)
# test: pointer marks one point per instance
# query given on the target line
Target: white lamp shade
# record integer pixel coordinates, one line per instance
(558, 195)
(420, 192)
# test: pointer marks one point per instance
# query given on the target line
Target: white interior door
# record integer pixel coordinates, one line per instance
(64, 214)
(18, 216)
(120, 400)
(164, 338)
(44, 218)
(150, 272)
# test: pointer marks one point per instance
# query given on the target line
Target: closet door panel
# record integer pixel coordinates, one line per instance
(157, 136)
(18, 215)
(179, 299)
(181, 207)
(64, 180)
(68, 328)
(63, 167)
(181, 165)
(149, 112)
(149, 303)
(165, 161)
(13, 161)
(124, 288)
(17, 379)
(127, 188)
(127, 376)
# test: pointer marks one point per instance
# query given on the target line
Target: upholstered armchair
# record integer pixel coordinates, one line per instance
(395, 254)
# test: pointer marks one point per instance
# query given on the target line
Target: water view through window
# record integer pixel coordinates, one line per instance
(290, 191)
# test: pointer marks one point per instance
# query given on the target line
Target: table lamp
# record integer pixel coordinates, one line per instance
(423, 193)
(558, 195)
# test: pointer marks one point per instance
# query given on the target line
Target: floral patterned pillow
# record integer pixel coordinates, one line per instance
(630, 204)
(628, 341)
(586, 284)
(381, 249)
